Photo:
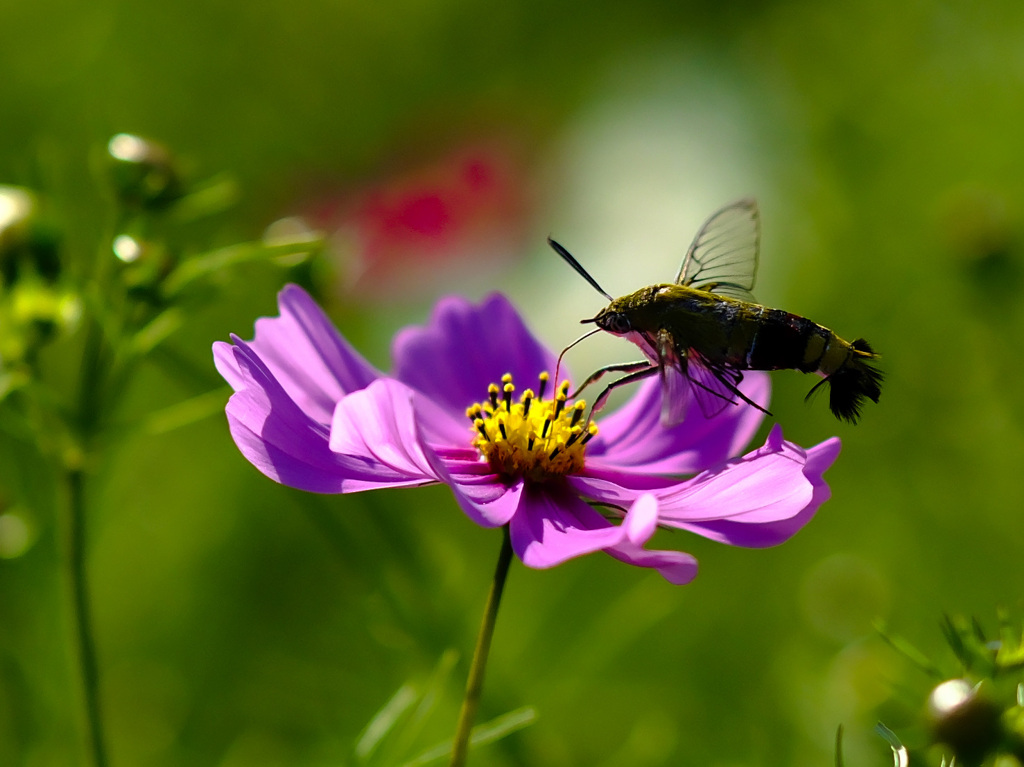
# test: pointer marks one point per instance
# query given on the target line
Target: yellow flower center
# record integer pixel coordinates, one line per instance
(533, 438)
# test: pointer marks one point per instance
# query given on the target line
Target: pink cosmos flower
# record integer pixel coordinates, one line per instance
(308, 411)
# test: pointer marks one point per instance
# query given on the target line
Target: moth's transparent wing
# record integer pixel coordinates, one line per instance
(723, 256)
(685, 376)
(713, 388)
(675, 395)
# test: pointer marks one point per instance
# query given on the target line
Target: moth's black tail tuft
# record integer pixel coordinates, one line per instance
(856, 380)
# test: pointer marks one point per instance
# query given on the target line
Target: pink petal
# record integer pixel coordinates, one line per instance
(489, 502)
(759, 500)
(677, 567)
(633, 439)
(553, 525)
(617, 489)
(378, 425)
(480, 493)
(314, 364)
(467, 347)
(442, 428)
(276, 436)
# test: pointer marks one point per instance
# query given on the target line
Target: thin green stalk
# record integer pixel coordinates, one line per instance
(85, 646)
(96, 364)
(475, 683)
(89, 413)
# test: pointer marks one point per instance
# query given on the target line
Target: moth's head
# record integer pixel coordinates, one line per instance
(612, 320)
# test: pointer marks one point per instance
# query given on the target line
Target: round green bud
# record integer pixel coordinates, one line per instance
(143, 172)
(965, 718)
(27, 238)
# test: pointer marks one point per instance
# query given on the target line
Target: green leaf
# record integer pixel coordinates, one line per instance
(215, 195)
(391, 733)
(156, 331)
(911, 653)
(384, 721)
(206, 264)
(489, 732)
(188, 412)
(899, 752)
(406, 735)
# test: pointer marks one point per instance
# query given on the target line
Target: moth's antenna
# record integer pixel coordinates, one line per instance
(568, 258)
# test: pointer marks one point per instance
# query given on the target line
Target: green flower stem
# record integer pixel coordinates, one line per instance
(74, 561)
(475, 683)
(89, 414)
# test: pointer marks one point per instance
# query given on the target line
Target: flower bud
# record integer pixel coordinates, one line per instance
(26, 238)
(966, 719)
(143, 172)
(144, 265)
(17, 207)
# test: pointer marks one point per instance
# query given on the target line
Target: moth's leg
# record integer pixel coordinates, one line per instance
(648, 369)
(722, 384)
(622, 367)
(733, 389)
(714, 387)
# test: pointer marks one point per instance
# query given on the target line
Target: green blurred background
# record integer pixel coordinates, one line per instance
(242, 623)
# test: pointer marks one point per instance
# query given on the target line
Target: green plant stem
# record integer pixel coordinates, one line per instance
(89, 414)
(85, 646)
(475, 683)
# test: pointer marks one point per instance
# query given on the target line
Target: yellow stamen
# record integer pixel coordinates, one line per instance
(527, 401)
(534, 438)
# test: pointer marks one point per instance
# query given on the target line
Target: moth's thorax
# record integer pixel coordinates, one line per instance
(653, 307)
(638, 300)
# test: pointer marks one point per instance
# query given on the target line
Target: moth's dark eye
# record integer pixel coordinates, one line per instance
(616, 322)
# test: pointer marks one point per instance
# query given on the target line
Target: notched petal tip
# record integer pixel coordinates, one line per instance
(756, 501)
(303, 350)
(642, 519)
(677, 567)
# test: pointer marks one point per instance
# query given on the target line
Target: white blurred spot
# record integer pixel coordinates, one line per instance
(15, 206)
(127, 248)
(949, 696)
(126, 147)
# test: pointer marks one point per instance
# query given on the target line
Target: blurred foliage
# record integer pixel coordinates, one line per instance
(972, 711)
(242, 623)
